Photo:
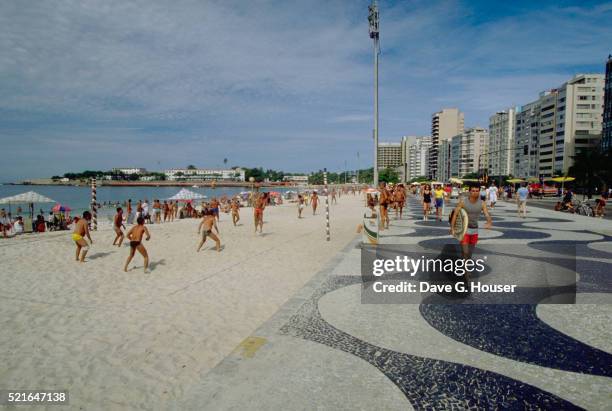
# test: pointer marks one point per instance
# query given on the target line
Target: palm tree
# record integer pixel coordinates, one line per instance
(225, 162)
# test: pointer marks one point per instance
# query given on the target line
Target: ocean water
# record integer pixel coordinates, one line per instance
(78, 198)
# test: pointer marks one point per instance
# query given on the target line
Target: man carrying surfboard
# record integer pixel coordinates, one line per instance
(464, 223)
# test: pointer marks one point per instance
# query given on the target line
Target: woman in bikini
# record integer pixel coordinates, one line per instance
(426, 202)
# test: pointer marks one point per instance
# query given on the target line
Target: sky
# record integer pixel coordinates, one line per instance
(284, 84)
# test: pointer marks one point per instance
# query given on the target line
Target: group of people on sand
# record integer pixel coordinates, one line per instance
(207, 228)
(304, 199)
(134, 235)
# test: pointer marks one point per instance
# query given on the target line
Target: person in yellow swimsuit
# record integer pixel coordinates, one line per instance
(439, 197)
(81, 229)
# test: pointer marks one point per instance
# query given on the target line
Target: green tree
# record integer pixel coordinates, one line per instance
(591, 169)
(191, 167)
(388, 175)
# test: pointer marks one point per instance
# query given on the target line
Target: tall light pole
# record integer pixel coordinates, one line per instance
(373, 20)
(358, 167)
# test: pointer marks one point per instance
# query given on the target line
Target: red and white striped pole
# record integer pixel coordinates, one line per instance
(326, 203)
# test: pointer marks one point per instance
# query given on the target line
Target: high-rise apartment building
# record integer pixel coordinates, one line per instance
(526, 135)
(570, 122)
(500, 157)
(415, 156)
(606, 135)
(389, 155)
(444, 125)
(466, 149)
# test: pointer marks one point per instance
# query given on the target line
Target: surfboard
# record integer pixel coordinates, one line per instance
(461, 224)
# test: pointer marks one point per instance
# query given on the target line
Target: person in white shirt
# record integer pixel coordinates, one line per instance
(18, 225)
(492, 191)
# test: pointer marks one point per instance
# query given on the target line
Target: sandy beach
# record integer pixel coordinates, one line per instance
(135, 340)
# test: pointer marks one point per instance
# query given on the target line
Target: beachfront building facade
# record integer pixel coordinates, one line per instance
(415, 157)
(389, 155)
(584, 98)
(297, 180)
(444, 160)
(526, 137)
(606, 134)
(128, 170)
(500, 156)
(445, 125)
(204, 174)
(466, 150)
(570, 122)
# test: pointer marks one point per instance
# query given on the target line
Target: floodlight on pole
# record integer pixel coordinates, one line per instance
(374, 21)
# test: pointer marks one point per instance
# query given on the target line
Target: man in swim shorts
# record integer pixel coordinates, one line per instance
(81, 229)
(135, 236)
(117, 225)
(235, 207)
(206, 226)
(260, 205)
(473, 206)
(314, 201)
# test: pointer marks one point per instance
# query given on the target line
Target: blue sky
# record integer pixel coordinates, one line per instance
(280, 84)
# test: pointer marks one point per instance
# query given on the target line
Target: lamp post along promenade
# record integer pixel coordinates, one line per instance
(373, 24)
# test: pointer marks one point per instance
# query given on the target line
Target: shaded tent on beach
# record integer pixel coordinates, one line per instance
(29, 198)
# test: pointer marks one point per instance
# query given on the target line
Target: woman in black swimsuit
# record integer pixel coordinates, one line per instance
(426, 202)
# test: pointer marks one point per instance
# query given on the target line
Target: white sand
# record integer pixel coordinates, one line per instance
(134, 340)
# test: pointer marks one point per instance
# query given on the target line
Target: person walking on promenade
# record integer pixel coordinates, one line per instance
(521, 200)
(426, 202)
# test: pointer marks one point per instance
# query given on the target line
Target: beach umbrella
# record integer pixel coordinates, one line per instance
(26, 198)
(516, 180)
(58, 208)
(29, 197)
(186, 195)
(562, 180)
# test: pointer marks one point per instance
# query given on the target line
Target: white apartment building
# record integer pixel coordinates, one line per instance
(445, 125)
(500, 157)
(200, 174)
(526, 136)
(415, 156)
(129, 170)
(466, 150)
(583, 114)
(570, 122)
(389, 155)
(444, 161)
(298, 180)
